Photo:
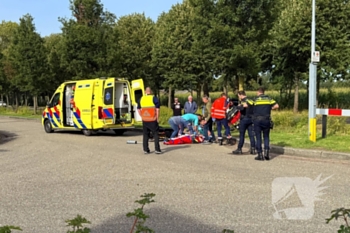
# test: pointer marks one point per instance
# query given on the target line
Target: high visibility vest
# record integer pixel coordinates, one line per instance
(148, 109)
(218, 109)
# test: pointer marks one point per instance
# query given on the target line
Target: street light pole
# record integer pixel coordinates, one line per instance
(312, 78)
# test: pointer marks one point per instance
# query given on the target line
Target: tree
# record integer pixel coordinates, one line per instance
(57, 74)
(7, 30)
(86, 50)
(27, 54)
(136, 33)
(291, 52)
(239, 29)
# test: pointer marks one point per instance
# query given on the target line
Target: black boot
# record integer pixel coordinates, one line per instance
(260, 156)
(267, 154)
(220, 141)
(252, 151)
(237, 152)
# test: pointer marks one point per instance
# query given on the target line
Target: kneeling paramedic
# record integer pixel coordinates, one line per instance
(148, 108)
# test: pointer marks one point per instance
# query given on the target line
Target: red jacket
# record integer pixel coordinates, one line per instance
(218, 108)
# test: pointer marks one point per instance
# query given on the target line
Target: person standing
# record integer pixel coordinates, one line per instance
(148, 108)
(218, 112)
(177, 107)
(190, 106)
(208, 126)
(263, 105)
(245, 123)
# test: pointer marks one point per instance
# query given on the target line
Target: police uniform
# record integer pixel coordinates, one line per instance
(148, 105)
(262, 124)
(246, 123)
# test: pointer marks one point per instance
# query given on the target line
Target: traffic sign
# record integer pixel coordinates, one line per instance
(316, 56)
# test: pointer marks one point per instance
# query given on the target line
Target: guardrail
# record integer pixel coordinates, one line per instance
(325, 112)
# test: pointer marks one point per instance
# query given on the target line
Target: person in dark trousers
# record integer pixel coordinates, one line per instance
(148, 108)
(245, 123)
(177, 107)
(208, 126)
(218, 112)
(263, 105)
(190, 106)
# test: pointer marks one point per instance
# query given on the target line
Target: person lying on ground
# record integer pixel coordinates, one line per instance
(185, 139)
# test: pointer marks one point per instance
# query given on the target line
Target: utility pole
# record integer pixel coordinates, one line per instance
(315, 56)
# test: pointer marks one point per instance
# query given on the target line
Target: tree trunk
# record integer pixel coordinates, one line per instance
(199, 91)
(35, 104)
(169, 97)
(25, 99)
(16, 101)
(240, 83)
(7, 100)
(296, 94)
(206, 89)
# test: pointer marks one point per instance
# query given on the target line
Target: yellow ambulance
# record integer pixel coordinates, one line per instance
(94, 104)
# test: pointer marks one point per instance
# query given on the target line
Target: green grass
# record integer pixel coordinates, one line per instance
(336, 143)
(21, 112)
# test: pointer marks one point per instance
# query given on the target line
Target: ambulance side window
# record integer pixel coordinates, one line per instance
(108, 98)
(55, 100)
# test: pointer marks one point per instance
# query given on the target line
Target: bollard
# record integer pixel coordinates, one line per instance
(131, 142)
(324, 126)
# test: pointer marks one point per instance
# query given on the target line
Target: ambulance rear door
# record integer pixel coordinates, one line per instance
(83, 104)
(137, 89)
(108, 101)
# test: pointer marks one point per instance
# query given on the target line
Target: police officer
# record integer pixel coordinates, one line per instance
(148, 108)
(245, 123)
(263, 105)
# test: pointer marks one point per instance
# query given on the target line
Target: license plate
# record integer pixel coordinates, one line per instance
(109, 121)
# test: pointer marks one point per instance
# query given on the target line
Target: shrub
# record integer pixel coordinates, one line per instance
(344, 214)
(8, 229)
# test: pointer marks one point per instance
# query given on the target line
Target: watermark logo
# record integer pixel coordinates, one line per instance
(294, 197)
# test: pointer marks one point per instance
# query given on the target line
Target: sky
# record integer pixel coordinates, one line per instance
(47, 12)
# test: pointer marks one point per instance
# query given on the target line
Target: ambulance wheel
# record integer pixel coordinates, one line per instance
(87, 132)
(48, 126)
(119, 132)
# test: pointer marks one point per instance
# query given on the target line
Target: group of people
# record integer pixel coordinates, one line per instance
(255, 117)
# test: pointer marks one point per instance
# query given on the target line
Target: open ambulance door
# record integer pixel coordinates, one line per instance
(137, 89)
(108, 101)
(83, 104)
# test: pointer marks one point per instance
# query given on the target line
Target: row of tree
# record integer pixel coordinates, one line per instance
(240, 42)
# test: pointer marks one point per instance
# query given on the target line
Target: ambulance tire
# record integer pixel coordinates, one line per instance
(48, 126)
(87, 132)
(119, 132)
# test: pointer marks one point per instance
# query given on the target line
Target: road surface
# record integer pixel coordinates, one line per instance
(48, 178)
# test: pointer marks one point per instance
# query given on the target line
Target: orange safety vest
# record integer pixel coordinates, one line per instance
(148, 109)
(218, 108)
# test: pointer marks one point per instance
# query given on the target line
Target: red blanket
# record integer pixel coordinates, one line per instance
(184, 139)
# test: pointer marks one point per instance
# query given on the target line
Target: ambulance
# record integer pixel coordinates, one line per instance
(94, 104)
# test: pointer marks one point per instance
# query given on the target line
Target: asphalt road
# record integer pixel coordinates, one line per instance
(48, 178)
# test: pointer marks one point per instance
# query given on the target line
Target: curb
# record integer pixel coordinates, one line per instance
(306, 153)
